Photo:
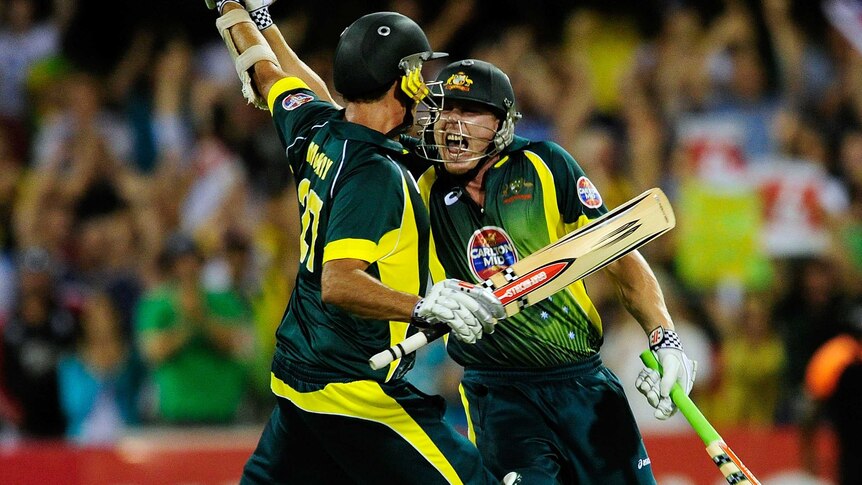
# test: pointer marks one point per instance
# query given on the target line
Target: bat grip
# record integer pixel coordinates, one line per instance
(686, 406)
(409, 345)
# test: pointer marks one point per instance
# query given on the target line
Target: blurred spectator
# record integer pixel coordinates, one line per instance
(811, 312)
(195, 341)
(81, 122)
(99, 382)
(834, 381)
(38, 334)
(753, 358)
(27, 36)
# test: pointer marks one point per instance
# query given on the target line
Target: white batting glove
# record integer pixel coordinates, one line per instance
(491, 309)
(457, 308)
(676, 367)
(258, 10)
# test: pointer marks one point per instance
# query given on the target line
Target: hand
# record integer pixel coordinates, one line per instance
(491, 308)
(456, 308)
(676, 368)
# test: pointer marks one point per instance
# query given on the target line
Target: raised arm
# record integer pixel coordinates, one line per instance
(261, 54)
(289, 60)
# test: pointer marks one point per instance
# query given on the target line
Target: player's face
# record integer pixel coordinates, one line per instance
(463, 134)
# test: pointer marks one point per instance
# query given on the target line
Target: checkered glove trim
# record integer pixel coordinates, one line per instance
(261, 18)
(664, 338)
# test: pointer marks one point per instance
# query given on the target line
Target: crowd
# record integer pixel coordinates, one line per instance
(144, 242)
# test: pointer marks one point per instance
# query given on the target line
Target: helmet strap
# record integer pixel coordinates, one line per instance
(407, 122)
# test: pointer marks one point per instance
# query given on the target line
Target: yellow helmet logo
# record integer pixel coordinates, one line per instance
(458, 81)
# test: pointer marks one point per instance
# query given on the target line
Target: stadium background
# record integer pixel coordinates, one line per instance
(122, 124)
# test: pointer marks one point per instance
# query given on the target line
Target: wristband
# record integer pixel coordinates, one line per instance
(664, 338)
(261, 17)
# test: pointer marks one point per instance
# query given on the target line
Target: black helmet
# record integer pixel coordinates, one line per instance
(370, 52)
(480, 82)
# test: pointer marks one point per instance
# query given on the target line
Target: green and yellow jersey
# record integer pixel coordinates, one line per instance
(534, 194)
(356, 201)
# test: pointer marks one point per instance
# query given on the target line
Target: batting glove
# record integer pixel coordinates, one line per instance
(676, 367)
(258, 10)
(456, 307)
(491, 309)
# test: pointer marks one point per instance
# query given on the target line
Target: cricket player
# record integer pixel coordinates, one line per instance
(364, 242)
(538, 398)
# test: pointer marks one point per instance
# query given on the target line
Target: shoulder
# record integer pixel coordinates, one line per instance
(547, 150)
(290, 97)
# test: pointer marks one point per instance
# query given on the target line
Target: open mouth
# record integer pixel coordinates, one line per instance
(456, 143)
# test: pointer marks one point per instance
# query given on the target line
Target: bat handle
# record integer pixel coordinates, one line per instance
(686, 406)
(728, 463)
(408, 345)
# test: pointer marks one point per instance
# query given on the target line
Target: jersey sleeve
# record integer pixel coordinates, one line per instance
(296, 111)
(369, 206)
(579, 199)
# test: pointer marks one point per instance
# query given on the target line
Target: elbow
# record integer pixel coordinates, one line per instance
(331, 292)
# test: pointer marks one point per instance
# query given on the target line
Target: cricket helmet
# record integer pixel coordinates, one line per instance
(479, 82)
(378, 49)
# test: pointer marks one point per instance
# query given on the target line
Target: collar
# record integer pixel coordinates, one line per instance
(352, 131)
(518, 143)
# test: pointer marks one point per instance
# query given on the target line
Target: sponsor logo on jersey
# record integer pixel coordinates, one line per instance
(518, 189)
(453, 196)
(458, 81)
(295, 100)
(588, 193)
(490, 250)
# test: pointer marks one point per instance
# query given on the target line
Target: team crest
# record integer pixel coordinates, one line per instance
(458, 81)
(295, 100)
(518, 189)
(588, 193)
(490, 250)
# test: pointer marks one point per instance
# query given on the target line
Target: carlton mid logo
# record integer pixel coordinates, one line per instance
(490, 250)
(588, 193)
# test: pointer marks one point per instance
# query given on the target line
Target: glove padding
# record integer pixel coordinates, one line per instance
(467, 309)
(491, 309)
(676, 367)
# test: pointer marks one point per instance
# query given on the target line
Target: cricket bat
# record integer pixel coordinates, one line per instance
(734, 471)
(561, 263)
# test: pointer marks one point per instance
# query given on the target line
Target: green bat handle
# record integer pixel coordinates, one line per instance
(686, 406)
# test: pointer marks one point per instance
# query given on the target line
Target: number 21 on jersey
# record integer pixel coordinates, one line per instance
(312, 204)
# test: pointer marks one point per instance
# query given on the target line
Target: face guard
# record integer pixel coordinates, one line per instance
(415, 87)
(445, 140)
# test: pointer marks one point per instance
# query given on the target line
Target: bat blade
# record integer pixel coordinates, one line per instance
(734, 471)
(561, 263)
(583, 252)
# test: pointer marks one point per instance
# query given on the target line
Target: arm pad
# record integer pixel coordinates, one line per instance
(245, 61)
